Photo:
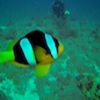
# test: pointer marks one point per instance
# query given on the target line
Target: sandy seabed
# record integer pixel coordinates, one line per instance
(70, 75)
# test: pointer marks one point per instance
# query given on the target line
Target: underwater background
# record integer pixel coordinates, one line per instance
(76, 73)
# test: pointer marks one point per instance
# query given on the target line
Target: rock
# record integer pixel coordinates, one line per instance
(90, 86)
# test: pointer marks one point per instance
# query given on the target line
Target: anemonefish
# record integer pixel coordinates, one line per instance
(36, 49)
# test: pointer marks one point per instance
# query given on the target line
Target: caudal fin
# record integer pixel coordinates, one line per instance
(6, 56)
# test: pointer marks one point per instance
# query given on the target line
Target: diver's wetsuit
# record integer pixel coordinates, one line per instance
(58, 9)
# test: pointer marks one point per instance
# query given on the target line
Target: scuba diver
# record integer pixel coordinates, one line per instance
(58, 9)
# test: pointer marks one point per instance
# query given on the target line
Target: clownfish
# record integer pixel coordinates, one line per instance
(36, 49)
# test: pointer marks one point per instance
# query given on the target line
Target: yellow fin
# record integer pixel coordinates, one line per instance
(6, 56)
(42, 69)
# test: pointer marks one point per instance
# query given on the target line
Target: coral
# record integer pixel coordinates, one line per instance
(90, 86)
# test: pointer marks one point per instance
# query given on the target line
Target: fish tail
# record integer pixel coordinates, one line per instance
(6, 56)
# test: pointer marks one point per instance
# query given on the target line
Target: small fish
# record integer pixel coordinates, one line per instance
(36, 49)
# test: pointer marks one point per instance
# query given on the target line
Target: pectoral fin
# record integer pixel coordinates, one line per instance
(42, 70)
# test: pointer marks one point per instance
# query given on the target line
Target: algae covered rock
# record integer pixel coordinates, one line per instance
(90, 86)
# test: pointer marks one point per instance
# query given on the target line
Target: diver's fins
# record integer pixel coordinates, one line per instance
(42, 69)
(6, 56)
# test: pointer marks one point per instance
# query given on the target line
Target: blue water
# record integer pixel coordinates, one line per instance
(89, 9)
(82, 43)
(19, 9)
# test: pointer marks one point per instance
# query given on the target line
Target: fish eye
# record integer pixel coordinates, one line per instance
(46, 52)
